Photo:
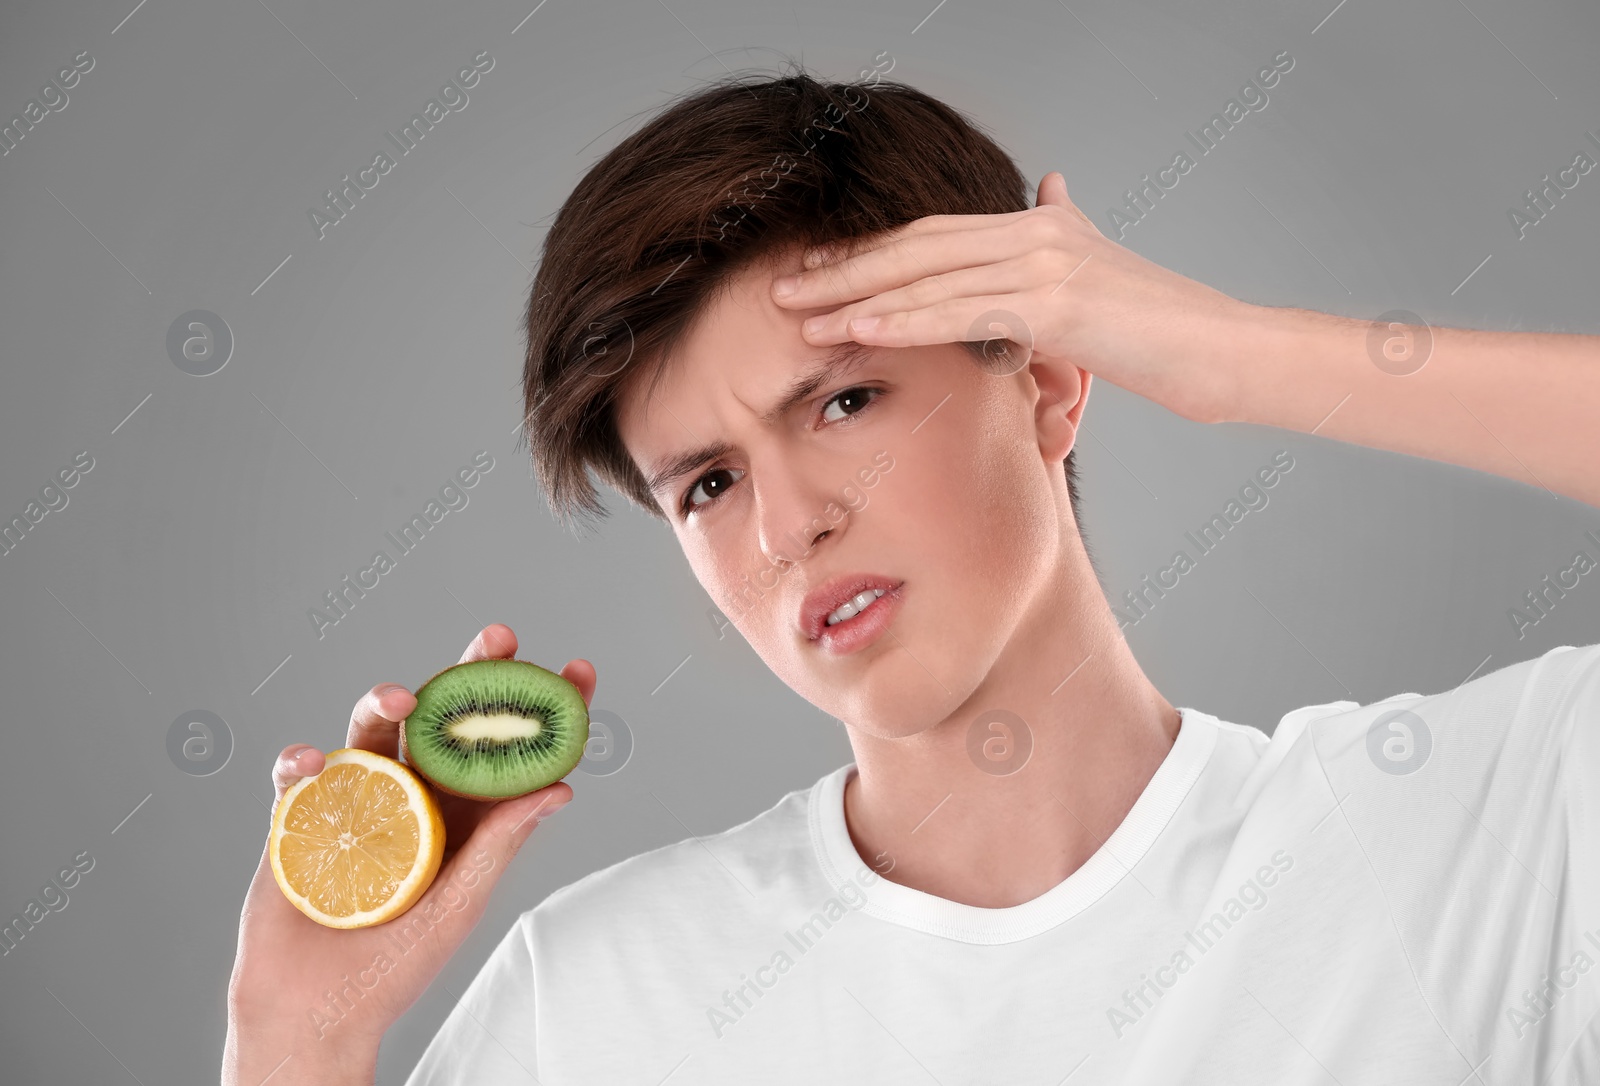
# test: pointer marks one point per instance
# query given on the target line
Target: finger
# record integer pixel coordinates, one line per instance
(847, 247)
(494, 642)
(906, 260)
(462, 887)
(294, 762)
(376, 719)
(971, 319)
(1012, 276)
(581, 673)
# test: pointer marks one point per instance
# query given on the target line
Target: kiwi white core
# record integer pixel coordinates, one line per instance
(500, 726)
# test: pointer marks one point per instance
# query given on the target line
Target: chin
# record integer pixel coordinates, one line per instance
(895, 698)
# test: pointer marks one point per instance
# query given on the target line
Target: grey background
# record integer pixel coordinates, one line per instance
(379, 359)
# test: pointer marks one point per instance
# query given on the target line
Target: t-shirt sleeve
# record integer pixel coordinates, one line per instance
(488, 1037)
(1478, 813)
(1579, 753)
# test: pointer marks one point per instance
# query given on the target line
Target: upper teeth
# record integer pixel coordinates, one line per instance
(854, 605)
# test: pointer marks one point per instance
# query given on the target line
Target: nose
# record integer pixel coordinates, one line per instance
(793, 515)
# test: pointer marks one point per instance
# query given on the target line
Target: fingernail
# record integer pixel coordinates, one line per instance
(813, 325)
(785, 285)
(863, 324)
(552, 809)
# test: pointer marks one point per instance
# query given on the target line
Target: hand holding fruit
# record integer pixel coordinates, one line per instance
(287, 964)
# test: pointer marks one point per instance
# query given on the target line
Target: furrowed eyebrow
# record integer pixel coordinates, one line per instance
(841, 359)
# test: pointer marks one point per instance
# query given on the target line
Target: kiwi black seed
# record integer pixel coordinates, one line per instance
(492, 729)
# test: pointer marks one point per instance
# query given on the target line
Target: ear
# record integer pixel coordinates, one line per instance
(1063, 392)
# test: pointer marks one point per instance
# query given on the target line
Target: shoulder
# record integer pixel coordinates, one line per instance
(1535, 694)
(1497, 722)
(1500, 724)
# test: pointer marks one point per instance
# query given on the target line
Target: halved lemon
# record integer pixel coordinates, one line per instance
(358, 843)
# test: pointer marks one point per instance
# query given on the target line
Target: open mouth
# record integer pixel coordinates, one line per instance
(854, 606)
(850, 612)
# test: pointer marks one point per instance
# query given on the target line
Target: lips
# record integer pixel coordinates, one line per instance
(827, 597)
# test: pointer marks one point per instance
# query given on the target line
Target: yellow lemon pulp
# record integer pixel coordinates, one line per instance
(358, 843)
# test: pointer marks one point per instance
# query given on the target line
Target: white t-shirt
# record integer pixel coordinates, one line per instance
(1405, 892)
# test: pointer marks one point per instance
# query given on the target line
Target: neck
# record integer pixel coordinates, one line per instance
(947, 811)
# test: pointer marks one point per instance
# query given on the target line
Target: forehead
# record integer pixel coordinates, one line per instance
(740, 344)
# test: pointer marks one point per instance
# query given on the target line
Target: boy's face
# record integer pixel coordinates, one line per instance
(934, 474)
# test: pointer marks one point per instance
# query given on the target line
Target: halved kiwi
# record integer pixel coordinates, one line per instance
(492, 729)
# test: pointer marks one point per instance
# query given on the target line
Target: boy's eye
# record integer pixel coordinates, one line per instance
(710, 486)
(856, 397)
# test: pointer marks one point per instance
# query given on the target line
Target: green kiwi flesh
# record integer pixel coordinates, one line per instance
(492, 729)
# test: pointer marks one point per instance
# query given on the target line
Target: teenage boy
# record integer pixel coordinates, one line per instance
(1036, 869)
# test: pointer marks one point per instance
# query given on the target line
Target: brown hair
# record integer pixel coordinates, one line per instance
(721, 179)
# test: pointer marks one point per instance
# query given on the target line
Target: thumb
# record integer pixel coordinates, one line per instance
(510, 821)
(1053, 190)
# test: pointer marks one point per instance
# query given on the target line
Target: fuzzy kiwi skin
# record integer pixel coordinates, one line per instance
(406, 758)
